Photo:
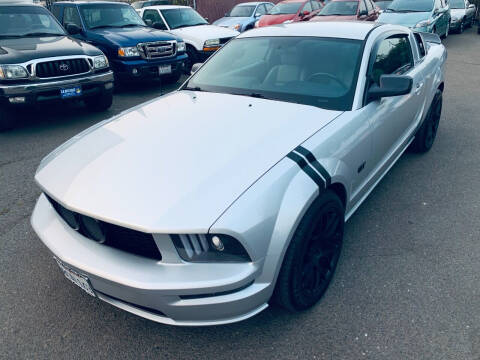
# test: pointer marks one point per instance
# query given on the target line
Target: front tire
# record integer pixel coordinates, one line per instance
(427, 133)
(100, 103)
(312, 256)
(7, 119)
(192, 59)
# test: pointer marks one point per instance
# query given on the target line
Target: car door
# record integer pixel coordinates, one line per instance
(394, 119)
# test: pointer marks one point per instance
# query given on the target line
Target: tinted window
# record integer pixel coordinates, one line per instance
(57, 11)
(340, 8)
(153, 16)
(285, 69)
(412, 5)
(178, 18)
(242, 11)
(457, 4)
(394, 56)
(18, 21)
(109, 15)
(420, 44)
(70, 16)
(285, 8)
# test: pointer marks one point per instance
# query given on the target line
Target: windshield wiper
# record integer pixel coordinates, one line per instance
(129, 25)
(104, 26)
(42, 34)
(182, 26)
(194, 88)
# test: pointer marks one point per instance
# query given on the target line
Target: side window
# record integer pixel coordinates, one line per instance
(307, 7)
(394, 56)
(261, 9)
(57, 11)
(154, 17)
(362, 7)
(420, 45)
(70, 16)
(269, 7)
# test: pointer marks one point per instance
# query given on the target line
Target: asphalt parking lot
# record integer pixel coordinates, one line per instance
(407, 285)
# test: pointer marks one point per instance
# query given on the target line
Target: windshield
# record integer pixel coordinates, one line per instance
(242, 11)
(383, 4)
(457, 4)
(19, 21)
(183, 17)
(340, 8)
(411, 6)
(285, 8)
(286, 69)
(98, 16)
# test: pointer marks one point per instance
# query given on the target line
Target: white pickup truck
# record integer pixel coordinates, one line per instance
(201, 38)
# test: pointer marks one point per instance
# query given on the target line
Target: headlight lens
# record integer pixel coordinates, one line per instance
(128, 52)
(100, 62)
(181, 47)
(423, 23)
(212, 43)
(236, 27)
(210, 248)
(11, 72)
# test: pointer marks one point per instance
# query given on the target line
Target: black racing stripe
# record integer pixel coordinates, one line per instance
(313, 161)
(307, 169)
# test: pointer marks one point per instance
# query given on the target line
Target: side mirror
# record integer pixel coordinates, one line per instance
(149, 22)
(73, 29)
(363, 13)
(390, 85)
(195, 68)
(159, 26)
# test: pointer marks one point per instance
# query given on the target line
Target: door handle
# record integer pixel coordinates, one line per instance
(418, 88)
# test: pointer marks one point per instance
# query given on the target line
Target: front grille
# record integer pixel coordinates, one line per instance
(59, 68)
(225, 40)
(131, 241)
(158, 50)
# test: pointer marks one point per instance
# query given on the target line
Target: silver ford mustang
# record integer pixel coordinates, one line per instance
(202, 206)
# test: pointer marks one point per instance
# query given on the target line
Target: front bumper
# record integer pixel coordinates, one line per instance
(169, 291)
(45, 91)
(141, 69)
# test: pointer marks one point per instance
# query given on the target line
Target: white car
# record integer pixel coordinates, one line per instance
(201, 38)
(202, 206)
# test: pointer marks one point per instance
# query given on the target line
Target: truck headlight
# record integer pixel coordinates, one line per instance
(423, 23)
(212, 43)
(181, 47)
(100, 62)
(210, 248)
(128, 52)
(10, 72)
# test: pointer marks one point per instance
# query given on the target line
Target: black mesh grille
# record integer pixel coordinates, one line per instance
(131, 241)
(59, 68)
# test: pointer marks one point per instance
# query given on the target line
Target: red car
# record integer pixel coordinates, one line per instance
(337, 10)
(290, 11)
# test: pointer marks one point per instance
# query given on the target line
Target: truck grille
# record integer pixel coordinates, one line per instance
(159, 49)
(128, 240)
(59, 68)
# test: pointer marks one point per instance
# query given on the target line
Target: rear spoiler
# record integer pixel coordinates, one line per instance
(431, 38)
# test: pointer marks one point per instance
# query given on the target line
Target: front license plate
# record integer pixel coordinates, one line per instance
(76, 278)
(71, 92)
(165, 69)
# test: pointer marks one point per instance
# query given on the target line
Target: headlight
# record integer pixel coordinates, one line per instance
(13, 72)
(423, 23)
(288, 21)
(128, 52)
(236, 27)
(100, 62)
(212, 43)
(181, 47)
(210, 248)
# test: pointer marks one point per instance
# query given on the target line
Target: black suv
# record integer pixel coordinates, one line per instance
(40, 63)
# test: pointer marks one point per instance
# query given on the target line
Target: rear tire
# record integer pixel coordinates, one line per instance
(99, 103)
(7, 119)
(312, 256)
(427, 133)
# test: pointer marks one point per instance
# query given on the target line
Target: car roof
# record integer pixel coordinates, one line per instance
(356, 30)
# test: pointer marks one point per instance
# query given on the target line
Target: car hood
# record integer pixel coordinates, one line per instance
(25, 49)
(266, 20)
(176, 163)
(204, 32)
(130, 36)
(458, 12)
(334, 18)
(230, 21)
(405, 19)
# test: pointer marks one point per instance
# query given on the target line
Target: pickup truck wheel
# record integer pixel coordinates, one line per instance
(192, 59)
(427, 133)
(312, 256)
(99, 103)
(7, 119)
